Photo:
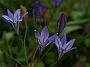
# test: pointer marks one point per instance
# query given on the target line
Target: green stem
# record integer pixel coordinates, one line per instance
(35, 52)
(25, 51)
(9, 54)
(46, 52)
(12, 58)
(56, 61)
(33, 63)
(8, 48)
(53, 64)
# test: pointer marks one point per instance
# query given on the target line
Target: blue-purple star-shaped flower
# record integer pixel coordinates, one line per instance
(43, 10)
(39, 11)
(14, 19)
(43, 38)
(62, 46)
(61, 23)
(36, 12)
(57, 2)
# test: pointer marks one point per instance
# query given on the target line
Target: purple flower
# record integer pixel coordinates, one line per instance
(43, 38)
(63, 46)
(57, 2)
(43, 10)
(36, 1)
(14, 19)
(39, 11)
(61, 23)
(36, 12)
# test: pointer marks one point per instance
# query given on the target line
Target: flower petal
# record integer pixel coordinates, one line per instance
(58, 42)
(60, 52)
(47, 42)
(10, 14)
(7, 18)
(68, 50)
(44, 34)
(61, 23)
(50, 39)
(37, 34)
(17, 15)
(69, 44)
(36, 1)
(58, 2)
(43, 10)
(64, 40)
(21, 17)
(16, 27)
(36, 11)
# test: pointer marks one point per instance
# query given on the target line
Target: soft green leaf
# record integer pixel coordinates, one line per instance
(87, 65)
(69, 29)
(40, 64)
(8, 35)
(78, 22)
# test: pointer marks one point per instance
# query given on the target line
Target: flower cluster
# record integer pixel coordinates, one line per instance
(44, 41)
(43, 37)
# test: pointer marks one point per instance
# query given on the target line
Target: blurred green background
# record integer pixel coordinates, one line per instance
(78, 27)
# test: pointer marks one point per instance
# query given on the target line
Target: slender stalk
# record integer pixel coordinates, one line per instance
(35, 52)
(56, 61)
(54, 64)
(12, 58)
(9, 54)
(24, 45)
(8, 48)
(33, 63)
(46, 52)
(16, 61)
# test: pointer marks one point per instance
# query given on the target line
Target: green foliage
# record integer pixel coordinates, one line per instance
(40, 64)
(78, 16)
(88, 65)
